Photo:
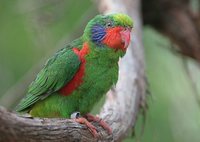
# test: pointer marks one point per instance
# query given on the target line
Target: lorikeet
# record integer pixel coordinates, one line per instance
(78, 75)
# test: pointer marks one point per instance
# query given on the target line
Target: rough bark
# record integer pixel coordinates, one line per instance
(14, 128)
(122, 104)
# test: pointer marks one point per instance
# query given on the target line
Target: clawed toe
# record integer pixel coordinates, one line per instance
(87, 119)
(91, 127)
(102, 123)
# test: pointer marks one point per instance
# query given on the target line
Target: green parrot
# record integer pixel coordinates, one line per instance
(79, 74)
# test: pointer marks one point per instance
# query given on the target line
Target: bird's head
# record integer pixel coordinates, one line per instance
(111, 30)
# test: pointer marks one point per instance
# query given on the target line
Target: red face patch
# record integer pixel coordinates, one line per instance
(117, 37)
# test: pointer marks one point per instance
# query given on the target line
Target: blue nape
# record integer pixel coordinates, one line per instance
(98, 33)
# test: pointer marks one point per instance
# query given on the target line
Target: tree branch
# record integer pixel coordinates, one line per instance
(14, 128)
(119, 111)
(122, 104)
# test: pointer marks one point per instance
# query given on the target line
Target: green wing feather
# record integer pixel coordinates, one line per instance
(58, 71)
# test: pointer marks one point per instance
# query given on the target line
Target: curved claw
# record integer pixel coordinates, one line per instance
(105, 126)
(102, 123)
(91, 128)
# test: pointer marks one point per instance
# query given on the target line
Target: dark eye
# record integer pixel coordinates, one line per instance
(109, 24)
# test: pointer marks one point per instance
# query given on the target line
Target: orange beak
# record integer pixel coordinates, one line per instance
(125, 35)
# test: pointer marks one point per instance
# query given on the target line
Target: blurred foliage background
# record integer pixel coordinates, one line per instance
(32, 30)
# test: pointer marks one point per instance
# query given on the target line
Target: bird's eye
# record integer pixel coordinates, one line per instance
(109, 24)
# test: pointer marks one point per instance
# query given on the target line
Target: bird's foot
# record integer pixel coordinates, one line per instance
(77, 117)
(102, 123)
(91, 127)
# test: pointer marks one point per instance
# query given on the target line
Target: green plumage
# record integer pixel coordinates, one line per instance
(43, 98)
